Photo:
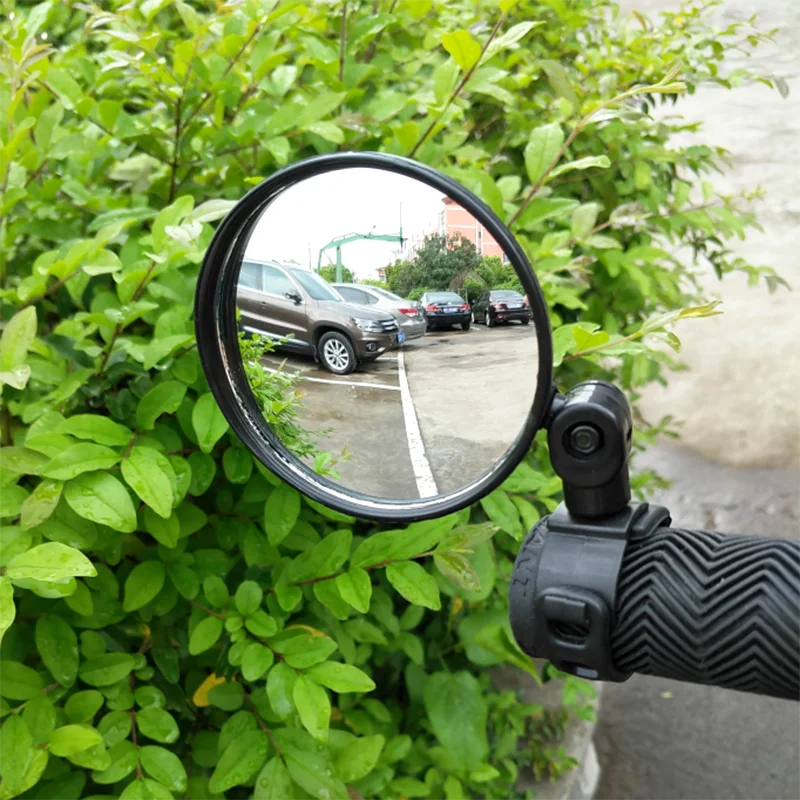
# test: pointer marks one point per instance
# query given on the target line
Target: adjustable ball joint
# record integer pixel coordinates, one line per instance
(563, 590)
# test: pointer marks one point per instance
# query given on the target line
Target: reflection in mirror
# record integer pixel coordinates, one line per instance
(384, 334)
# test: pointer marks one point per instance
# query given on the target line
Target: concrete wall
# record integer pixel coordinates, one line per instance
(740, 403)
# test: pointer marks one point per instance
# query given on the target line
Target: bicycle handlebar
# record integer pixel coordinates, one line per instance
(696, 606)
(711, 608)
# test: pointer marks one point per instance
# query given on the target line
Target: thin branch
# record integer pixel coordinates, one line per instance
(5, 426)
(50, 289)
(207, 95)
(207, 610)
(579, 126)
(550, 167)
(261, 723)
(369, 53)
(467, 75)
(118, 327)
(342, 40)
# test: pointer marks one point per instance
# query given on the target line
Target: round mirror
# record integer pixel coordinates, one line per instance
(375, 335)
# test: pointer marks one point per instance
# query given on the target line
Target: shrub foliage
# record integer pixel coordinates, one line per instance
(177, 622)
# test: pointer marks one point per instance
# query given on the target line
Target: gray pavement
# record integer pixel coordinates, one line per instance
(423, 415)
(660, 739)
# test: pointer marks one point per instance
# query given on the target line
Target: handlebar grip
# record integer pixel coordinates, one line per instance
(711, 608)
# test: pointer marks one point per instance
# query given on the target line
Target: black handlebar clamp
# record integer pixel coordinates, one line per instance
(564, 585)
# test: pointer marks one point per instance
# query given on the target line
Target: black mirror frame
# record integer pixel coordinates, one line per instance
(217, 341)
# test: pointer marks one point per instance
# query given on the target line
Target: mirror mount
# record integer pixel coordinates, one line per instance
(293, 296)
(589, 435)
(563, 591)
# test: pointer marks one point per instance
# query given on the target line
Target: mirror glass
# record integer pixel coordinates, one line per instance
(385, 335)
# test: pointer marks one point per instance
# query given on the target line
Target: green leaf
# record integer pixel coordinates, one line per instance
(143, 584)
(406, 785)
(18, 335)
(261, 624)
(22, 460)
(363, 631)
(11, 500)
(157, 724)
(584, 340)
(80, 458)
(501, 510)
(237, 463)
(309, 764)
(203, 469)
(325, 558)
(205, 635)
(95, 428)
(165, 398)
(82, 706)
(16, 378)
(101, 498)
(328, 594)
(414, 583)
(417, 538)
(463, 47)
(58, 646)
(557, 76)
(273, 781)
(208, 422)
(355, 587)
(227, 696)
(543, 146)
(601, 242)
(7, 609)
(150, 475)
(16, 752)
(124, 758)
(584, 218)
(216, 591)
(582, 163)
(280, 685)
(40, 503)
(457, 569)
(164, 531)
(242, 759)
(281, 512)
(314, 707)
(248, 597)
(50, 561)
(256, 660)
(71, 739)
(164, 766)
(18, 681)
(468, 537)
(184, 579)
(211, 210)
(305, 650)
(495, 640)
(106, 669)
(161, 348)
(358, 759)
(341, 678)
(463, 735)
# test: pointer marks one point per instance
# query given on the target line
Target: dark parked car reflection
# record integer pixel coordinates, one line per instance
(445, 309)
(501, 305)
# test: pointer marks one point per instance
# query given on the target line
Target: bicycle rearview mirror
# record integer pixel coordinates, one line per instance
(375, 335)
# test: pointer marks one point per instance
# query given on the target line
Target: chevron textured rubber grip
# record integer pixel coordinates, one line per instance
(711, 608)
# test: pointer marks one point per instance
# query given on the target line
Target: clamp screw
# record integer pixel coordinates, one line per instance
(585, 439)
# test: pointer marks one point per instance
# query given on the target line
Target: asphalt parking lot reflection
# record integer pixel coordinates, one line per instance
(422, 419)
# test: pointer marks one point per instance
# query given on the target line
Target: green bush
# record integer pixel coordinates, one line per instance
(176, 621)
